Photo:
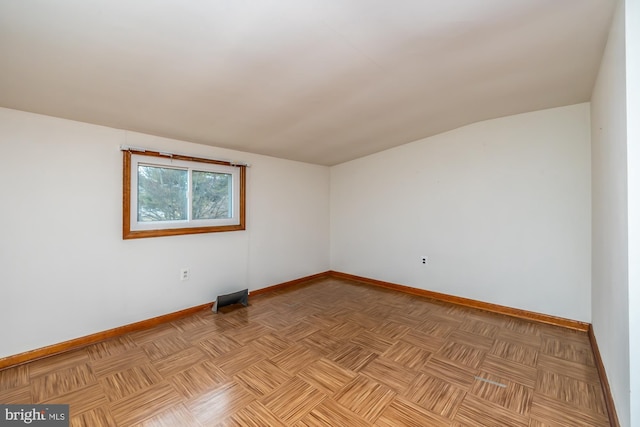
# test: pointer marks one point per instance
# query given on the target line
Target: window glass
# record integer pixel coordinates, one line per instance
(211, 195)
(162, 194)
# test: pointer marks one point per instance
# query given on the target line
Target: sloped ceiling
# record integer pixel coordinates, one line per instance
(319, 81)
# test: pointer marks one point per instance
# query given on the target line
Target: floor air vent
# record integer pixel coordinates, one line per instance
(240, 297)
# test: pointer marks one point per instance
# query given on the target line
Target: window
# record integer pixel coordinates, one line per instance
(169, 194)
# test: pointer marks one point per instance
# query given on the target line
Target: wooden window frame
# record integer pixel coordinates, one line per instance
(128, 233)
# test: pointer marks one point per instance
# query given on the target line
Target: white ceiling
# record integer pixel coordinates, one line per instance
(320, 81)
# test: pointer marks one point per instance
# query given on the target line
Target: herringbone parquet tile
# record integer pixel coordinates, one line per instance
(325, 353)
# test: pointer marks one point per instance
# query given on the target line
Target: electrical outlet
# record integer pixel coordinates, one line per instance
(425, 260)
(184, 274)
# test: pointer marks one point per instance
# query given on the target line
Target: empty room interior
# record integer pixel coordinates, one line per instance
(434, 207)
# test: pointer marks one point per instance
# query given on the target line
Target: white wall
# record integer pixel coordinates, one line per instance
(501, 208)
(632, 51)
(65, 270)
(610, 309)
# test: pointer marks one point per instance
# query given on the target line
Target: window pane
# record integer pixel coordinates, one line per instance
(211, 195)
(162, 194)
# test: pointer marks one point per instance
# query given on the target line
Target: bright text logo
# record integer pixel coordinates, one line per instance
(34, 415)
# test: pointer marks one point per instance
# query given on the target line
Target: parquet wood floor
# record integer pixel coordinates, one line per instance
(325, 353)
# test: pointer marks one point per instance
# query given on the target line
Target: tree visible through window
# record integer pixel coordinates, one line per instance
(180, 195)
(162, 194)
(211, 195)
